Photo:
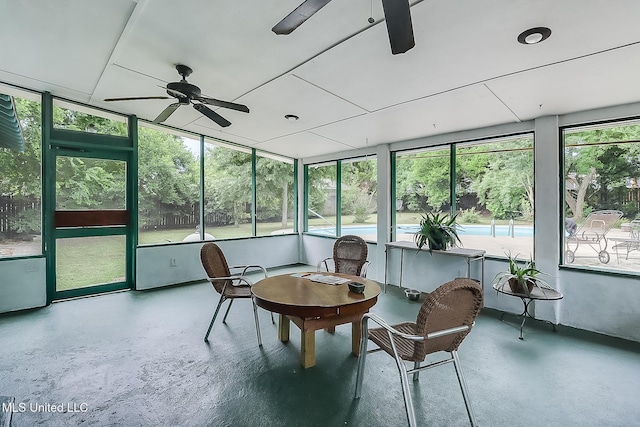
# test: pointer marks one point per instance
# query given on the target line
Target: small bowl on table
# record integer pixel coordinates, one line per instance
(356, 287)
(412, 294)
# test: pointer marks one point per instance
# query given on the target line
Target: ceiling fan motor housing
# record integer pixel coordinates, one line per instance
(190, 91)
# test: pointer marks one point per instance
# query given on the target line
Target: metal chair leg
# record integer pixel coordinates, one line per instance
(463, 387)
(224, 319)
(362, 358)
(255, 315)
(222, 299)
(416, 375)
(406, 393)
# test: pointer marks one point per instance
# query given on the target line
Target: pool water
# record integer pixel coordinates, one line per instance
(463, 230)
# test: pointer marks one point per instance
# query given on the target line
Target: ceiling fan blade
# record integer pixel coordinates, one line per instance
(223, 104)
(398, 17)
(166, 112)
(212, 115)
(136, 98)
(298, 16)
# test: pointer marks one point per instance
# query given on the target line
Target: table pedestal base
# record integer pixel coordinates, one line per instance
(308, 328)
(524, 315)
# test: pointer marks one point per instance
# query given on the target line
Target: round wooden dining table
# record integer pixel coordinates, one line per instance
(312, 305)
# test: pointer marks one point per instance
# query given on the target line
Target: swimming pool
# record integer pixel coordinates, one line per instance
(463, 230)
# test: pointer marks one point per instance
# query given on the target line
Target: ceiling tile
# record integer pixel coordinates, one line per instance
(304, 144)
(61, 44)
(461, 109)
(590, 82)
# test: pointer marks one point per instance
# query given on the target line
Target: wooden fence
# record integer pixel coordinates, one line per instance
(10, 208)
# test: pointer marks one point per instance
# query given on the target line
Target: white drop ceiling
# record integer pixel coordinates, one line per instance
(336, 71)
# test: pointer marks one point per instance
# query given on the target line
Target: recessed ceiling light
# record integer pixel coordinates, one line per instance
(534, 35)
(291, 117)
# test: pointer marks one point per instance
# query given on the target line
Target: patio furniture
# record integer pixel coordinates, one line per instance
(229, 286)
(469, 255)
(592, 233)
(537, 293)
(315, 305)
(444, 320)
(632, 243)
(349, 256)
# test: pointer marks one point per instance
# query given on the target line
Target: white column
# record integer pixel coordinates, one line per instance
(383, 155)
(547, 219)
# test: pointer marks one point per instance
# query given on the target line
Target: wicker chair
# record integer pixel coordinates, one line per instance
(227, 285)
(349, 257)
(444, 320)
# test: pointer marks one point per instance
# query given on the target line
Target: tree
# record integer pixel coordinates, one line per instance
(20, 172)
(432, 177)
(600, 166)
(506, 187)
(359, 189)
(505, 184)
(168, 177)
(228, 182)
(274, 184)
(321, 180)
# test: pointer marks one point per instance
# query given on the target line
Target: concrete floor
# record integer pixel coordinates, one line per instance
(138, 359)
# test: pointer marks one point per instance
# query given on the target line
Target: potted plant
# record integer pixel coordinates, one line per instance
(437, 230)
(521, 278)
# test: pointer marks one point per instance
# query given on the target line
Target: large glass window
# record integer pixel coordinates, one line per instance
(168, 186)
(227, 191)
(422, 184)
(358, 201)
(494, 195)
(274, 195)
(75, 117)
(602, 196)
(493, 192)
(20, 174)
(321, 199)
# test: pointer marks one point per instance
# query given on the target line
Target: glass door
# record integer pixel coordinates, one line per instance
(90, 223)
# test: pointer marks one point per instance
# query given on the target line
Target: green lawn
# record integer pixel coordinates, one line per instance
(86, 261)
(94, 260)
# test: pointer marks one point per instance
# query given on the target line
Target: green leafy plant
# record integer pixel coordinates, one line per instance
(470, 216)
(438, 231)
(521, 277)
(362, 207)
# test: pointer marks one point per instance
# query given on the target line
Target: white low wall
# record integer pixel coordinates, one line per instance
(155, 267)
(22, 284)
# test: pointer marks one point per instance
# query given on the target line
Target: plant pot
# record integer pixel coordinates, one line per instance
(437, 246)
(518, 288)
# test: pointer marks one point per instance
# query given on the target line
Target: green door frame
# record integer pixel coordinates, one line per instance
(59, 142)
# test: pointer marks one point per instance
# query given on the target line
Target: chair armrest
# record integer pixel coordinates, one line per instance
(380, 321)
(429, 336)
(326, 266)
(247, 267)
(449, 331)
(240, 279)
(591, 236)
(363, 271)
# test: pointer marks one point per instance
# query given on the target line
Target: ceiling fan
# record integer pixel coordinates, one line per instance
(186, 94)
(396, 13)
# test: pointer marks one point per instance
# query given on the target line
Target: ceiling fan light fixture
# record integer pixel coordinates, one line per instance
(291, 117)
(534, 35)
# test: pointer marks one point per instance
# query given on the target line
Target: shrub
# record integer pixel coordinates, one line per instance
(469, 216)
